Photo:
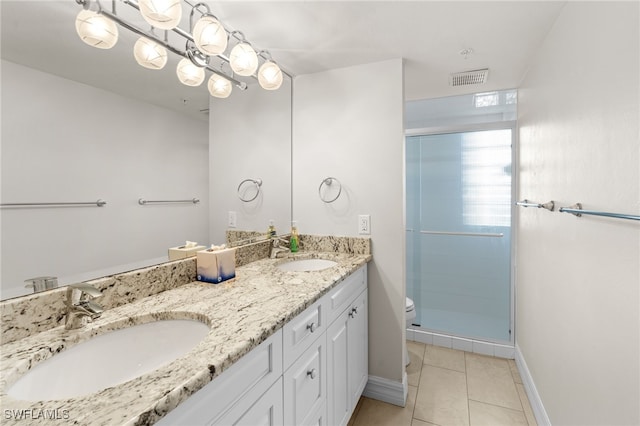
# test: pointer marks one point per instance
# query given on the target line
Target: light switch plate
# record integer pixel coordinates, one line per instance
(364, 224)
(232, 221)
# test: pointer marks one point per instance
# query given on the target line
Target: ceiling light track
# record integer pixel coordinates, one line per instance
(207, 38)
(186, 54)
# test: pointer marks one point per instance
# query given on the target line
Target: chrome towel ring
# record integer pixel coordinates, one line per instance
(329, 182)
(256, 182)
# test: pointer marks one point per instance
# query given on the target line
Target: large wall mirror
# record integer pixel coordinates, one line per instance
(81, 124)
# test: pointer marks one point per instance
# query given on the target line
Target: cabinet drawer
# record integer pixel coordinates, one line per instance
(266, 411)
(300, 333)
(341, 296)
(254, 372)
(305, 387)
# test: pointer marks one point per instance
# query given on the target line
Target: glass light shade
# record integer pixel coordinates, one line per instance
(210, 36)
(150, 54)
(162, 14)
(189, 74)
(219, 86)
(96, 30)
(243, 59)
(270, 76)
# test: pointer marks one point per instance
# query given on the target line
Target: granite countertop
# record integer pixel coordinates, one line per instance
(241, 313)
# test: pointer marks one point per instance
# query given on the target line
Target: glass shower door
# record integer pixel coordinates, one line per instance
(459, 232)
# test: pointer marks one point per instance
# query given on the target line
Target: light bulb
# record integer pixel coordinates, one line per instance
(96, 30)
(150, 54)
(189, 74)
(243, 59)
(210, 36)
(219, 86)
(270, 76)
(162, 14)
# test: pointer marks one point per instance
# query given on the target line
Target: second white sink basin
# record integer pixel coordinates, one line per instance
(108, 360)
(306, 265)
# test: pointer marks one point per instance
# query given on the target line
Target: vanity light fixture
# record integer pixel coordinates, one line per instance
(219, 87)
(243, 58)
(149, 54)
(96, 30)
(189, 74)
(270, 76)
(210, 36)
(162, 14)
(204, 49)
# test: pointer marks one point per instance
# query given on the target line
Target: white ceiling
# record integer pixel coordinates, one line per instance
(304, 37)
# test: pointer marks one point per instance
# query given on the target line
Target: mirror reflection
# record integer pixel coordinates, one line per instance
(81, 124)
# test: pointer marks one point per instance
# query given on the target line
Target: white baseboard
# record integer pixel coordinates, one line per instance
(387, 390)
(532, 393)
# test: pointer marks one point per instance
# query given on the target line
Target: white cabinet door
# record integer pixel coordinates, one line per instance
(358, 348)
(305, 386)
(338, 404)
(266, 411)
(347, 360)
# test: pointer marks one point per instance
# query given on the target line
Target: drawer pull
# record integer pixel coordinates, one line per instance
(312, 373)
(353, 311)
(311, 327)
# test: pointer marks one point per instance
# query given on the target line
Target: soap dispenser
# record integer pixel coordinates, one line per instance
(294, 241)
(271, 232)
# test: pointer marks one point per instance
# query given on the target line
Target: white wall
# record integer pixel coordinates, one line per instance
(250, 137)
(66, 141)
(348, 124)
(578, 279)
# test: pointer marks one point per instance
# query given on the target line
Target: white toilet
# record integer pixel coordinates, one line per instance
(410, 314)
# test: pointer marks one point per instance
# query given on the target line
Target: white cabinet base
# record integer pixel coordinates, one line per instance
(310, 373)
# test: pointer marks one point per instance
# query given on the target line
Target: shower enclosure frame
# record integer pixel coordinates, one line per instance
(498, 125)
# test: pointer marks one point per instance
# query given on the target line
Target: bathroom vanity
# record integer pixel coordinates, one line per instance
(284, 347)
(312, 371)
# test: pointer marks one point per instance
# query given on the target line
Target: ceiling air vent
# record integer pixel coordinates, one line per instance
(467, 78)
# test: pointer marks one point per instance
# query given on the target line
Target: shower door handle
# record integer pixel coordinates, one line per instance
(465, 234)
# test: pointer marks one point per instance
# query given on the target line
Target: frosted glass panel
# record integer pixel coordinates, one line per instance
(458, 232)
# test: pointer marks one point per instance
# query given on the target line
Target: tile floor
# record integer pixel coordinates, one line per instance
(451, 387)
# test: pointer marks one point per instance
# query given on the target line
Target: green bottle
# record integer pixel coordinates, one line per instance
(294, 241)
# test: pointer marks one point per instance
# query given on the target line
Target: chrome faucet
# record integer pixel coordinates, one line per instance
(41, 283)
(278, 245)
(79, 306)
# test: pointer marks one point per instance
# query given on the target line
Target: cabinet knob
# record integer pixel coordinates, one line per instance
(353, 311)
(312, 373)
(311, 327)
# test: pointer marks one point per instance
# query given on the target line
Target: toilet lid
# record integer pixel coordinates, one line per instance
(410, 305)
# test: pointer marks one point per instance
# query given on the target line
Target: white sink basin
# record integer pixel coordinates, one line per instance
(306, 265)
(108, 360)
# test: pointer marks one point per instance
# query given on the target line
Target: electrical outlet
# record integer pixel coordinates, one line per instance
(232, 221)
(364, 224)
